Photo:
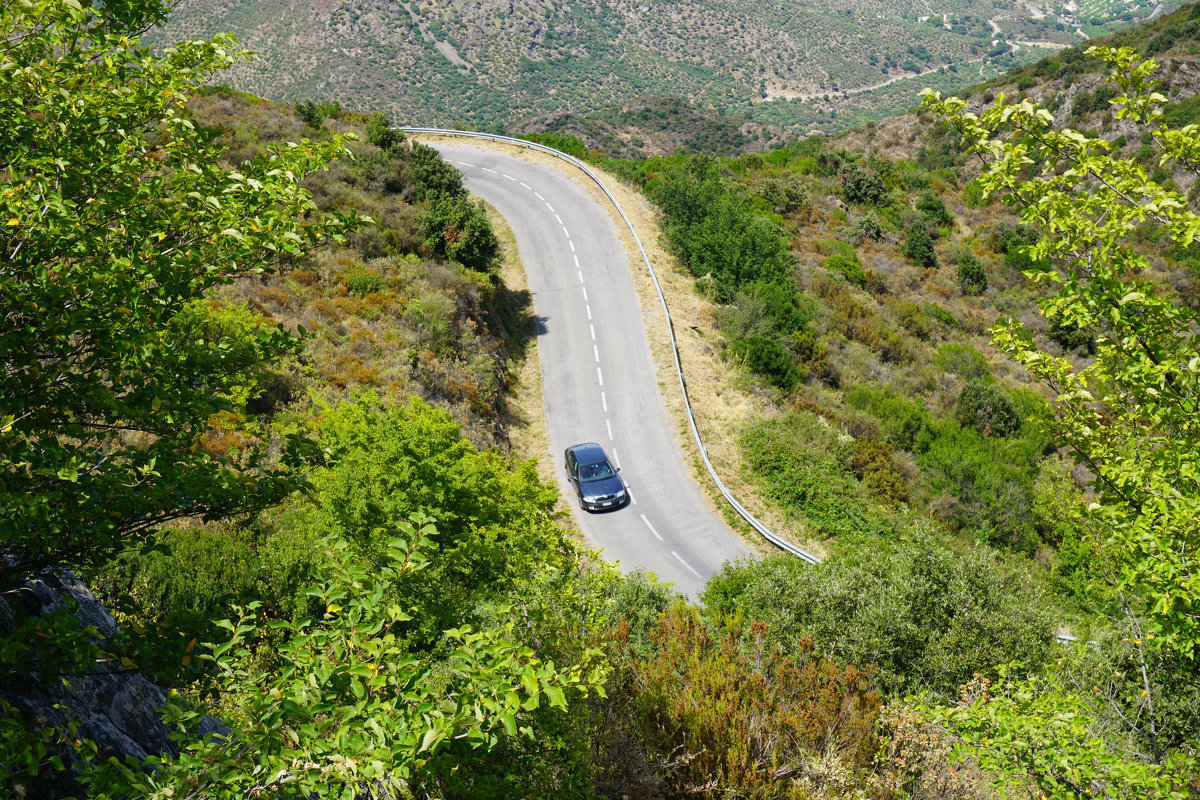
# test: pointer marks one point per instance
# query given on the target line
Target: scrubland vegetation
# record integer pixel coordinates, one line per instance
(254, 393)
(827, 66)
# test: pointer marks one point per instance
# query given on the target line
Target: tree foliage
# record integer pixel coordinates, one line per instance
(1129, 415)
(116, 216)
(348, 705)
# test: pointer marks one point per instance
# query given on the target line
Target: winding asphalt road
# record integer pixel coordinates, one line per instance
(598, 376)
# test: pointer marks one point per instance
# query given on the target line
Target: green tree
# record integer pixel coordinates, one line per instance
(347, 703)
(1129, 415)
(116, 218)
(496, 520)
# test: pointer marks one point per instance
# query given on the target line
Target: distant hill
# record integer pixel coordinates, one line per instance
(797, 65)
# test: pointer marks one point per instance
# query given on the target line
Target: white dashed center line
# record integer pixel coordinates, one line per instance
(569, 241)
(681, 561)
(510, 177)
(560, 222)
(576, 257)
(608, 425)
(592, 328)
(585, 295)
(552, 211)
(604, 402)
(485, 169)
(596, 353)
(538, 195)
(589, 310)
(656, 534)
(616, 459)
(467, 164)
(580, 274)
(599, 376)
(526, 185)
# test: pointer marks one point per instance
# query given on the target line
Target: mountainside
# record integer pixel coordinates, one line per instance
(483, 63)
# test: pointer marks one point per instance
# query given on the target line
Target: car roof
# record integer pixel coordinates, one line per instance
(588, 452)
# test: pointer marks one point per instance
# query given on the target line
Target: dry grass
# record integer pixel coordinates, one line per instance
(719, 399)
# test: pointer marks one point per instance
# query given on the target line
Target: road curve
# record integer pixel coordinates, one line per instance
(599, 379)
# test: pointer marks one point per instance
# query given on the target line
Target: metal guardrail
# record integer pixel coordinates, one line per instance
(762, 529)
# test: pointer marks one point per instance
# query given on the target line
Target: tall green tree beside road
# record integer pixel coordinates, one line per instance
(115, 214)
(1130, 415)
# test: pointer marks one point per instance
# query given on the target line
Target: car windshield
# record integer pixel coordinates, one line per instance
(595, 472)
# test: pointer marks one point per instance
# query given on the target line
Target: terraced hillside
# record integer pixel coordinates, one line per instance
(799, 64)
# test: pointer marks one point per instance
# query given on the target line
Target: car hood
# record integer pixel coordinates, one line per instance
(603, 487)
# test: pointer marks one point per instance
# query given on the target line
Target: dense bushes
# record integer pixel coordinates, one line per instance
(927, 617)
(986, 407)
(715, 232)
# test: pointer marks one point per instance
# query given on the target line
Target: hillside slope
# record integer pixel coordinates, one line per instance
(484, 62)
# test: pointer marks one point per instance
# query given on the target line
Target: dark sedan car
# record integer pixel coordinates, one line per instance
(595, 478)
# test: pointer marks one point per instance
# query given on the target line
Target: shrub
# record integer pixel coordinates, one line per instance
(459, 230)
(363, 282)
(906, 424)
(918, 246)
(806, 479)
(962, 360)
(1071, 337)
(767, 357)
(986, 407)
(434, 176)
(726, 705)
(971, 277)
(933, 208)
(928, 617)
(381, 134)
(863, 186)
(848, 268)
(983, 486)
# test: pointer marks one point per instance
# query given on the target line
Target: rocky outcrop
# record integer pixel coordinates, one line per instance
(112, 706)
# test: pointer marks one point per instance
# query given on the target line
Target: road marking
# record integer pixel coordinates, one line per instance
(566, 232)
(596, 353)
(580, 273)
(592, 328)
(604, 402)
(632, 499)
(589, 310)
(585, 295)
(485, 169)
(599, 376)
(686, 564)
(539, 196)
(552, 211)
(466, 163)
(510, 177)
(656, 534)
(526, 185)
(570, 241)
(608, 425)
(616, 458)
(560, 222)
(576, 257)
